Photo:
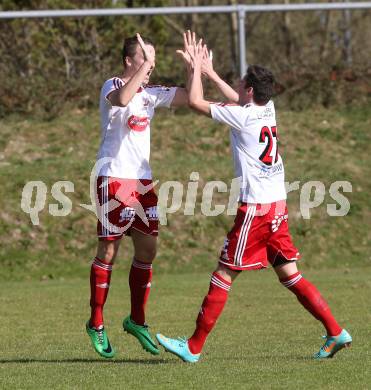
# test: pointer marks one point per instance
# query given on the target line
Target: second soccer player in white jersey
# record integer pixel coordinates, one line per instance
(127, 203)
(260, 234)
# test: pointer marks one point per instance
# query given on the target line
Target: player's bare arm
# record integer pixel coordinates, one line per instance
(123, 96)
(196, 97)
(208, 70)
(180, 98)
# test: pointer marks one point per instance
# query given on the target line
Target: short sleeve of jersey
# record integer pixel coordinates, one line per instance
(161, 96)
(233, 115)
(110, 86)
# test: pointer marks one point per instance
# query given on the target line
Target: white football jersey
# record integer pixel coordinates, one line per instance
(257, 162)
(126, 131)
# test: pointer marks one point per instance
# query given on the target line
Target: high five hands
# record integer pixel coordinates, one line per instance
(189, 41)
(197, 52)
(193, 49)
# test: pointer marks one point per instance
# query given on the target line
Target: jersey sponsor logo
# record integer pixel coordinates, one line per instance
(266, 171)
(138, 123)
(267, 113)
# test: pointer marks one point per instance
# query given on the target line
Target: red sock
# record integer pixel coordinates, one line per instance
(100, 276)
(140, 286)
(312, 300)
(211, 308)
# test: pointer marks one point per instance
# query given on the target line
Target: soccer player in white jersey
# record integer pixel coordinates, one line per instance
(127, 203)
(260, 234)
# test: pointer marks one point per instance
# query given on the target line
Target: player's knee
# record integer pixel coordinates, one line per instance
(285, 269)
(226, 273)
(146, 255)
(108, 256)
(107, 251)
(150, 254)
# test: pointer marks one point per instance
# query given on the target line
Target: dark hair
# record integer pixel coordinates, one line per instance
(262, 82)
(130, 46)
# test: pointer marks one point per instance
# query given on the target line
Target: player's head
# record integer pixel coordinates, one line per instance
(132, 55)
(257, 85)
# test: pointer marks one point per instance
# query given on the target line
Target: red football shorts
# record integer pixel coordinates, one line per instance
(125, 204)
(260, 234)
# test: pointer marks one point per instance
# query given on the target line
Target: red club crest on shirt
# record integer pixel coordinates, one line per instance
(138, 123)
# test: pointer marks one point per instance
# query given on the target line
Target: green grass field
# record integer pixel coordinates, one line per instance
(264, 338)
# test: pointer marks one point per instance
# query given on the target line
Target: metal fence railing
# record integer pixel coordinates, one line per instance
(240, 9)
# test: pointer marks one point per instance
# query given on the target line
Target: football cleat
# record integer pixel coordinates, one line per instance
(178, 347)
(100, 341)
(142, 334)
(334, 344)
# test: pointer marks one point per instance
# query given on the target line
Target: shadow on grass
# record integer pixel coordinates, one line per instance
(84, 360)
(269, 358)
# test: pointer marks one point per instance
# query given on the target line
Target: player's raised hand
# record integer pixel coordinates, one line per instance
(189, 38)
(207, 67)
(197, 52)
(149, 55)
(184, 53)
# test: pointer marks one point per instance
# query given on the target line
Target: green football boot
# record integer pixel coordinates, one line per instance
(100, 341)
(334, 344)
(142, 334)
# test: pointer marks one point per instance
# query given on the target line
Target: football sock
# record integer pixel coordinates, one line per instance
(311, 299)
(140, 286)
(211, 308)
(100, 276)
